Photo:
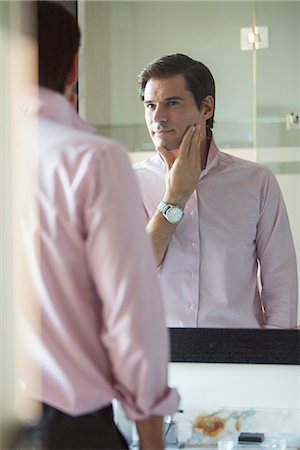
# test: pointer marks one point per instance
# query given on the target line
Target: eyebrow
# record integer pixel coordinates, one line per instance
(165, 99)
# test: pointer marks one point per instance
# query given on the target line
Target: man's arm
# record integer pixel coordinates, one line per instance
(122, 266)
(276, 253)
(150, 433)
(160, 232)
(181, 180)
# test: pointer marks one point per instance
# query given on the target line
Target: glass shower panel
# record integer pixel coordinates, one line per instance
(278, 102)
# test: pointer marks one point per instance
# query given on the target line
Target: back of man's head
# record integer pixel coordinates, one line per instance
(58, 41)
(198, 77)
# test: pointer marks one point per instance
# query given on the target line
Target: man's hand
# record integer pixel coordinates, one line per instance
(183, 170)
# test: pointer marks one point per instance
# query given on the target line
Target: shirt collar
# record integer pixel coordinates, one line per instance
(53, 105)
(212, 157)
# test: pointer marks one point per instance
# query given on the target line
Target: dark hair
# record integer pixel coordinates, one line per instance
(198, 77)
(58, 41)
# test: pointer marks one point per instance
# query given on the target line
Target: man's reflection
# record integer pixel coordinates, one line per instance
(213, 218)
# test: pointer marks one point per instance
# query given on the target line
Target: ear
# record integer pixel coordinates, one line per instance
(71, 79)
(208, 106)
(73, 74)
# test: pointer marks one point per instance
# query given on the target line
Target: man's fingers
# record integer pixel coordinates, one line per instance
(194, 151)
(186, 142)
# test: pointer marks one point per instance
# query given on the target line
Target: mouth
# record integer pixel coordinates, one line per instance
(162, 132)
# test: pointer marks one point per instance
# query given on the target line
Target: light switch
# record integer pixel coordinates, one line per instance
(254, 38)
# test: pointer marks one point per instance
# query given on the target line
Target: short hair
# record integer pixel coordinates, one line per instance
(58, 38)
(198, 77)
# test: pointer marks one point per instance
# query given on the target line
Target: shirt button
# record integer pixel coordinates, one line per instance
(192, 213)
(192, 275)
(191, 306)
(193, 244)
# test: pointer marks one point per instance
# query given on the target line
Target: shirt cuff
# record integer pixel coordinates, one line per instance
(165, 406)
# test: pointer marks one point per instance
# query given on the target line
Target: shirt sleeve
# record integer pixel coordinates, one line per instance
(122, 264)
(142, 188)
(277, 257)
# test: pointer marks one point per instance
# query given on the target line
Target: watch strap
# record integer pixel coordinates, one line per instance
(163, 206)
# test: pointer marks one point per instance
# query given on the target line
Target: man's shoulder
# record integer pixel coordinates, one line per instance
(240, 163)
(101, 143)
(69, 139)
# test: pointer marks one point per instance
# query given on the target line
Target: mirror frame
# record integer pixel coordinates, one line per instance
(235, 345)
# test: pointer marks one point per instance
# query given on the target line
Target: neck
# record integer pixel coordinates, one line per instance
(71, 96)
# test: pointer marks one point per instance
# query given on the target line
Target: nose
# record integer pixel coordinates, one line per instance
(160, 114)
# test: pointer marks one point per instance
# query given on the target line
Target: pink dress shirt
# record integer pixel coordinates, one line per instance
(103, 332)
(235, 218)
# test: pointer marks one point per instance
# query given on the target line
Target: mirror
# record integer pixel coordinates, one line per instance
(256, 90)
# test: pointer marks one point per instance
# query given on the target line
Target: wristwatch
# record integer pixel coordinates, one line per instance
(172, 213)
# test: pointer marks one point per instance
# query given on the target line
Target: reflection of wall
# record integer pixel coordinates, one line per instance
(95, 76)
(121, 37)
(124, 36)
(278, 73)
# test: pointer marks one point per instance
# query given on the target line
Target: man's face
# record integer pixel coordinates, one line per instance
(170, 109)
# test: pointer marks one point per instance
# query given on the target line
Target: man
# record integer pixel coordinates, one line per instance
(93, 272)
(213, 219)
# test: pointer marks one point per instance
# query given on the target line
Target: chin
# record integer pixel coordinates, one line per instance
(167, 145)
(172, 146)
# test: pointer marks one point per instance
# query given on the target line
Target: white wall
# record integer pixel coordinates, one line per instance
(237, 385)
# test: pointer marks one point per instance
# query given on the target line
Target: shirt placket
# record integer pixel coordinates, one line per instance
(191, 300)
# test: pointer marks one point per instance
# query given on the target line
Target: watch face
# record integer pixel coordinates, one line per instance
(174, 214)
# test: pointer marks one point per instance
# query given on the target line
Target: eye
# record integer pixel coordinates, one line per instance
(150, 106)
(173, 102)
